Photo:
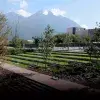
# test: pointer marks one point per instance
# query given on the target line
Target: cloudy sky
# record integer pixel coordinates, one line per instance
(84, 12)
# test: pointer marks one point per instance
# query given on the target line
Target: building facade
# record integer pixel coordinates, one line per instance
(80, 31)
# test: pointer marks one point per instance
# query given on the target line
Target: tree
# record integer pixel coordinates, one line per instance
(4, 31)
(86, 40)
(90, 50)
(96, 36)
(96, 40)
(93, 49)
(36, 41)
(47, 43)
(67, 40)
(16, 42)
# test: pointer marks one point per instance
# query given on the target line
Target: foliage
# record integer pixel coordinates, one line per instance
(86, 40)
(36, 41)
(84, 70)
(27, 50)
(47, 43)
(75, 38)
(16, 42)
(14, 51)
(96, 36)
(93, 49)
(67, 40)
(59, 38)
(90, 50)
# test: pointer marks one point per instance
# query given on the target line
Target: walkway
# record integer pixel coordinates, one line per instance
(44, 79)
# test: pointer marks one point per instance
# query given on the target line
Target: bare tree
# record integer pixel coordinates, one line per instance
(4, 31)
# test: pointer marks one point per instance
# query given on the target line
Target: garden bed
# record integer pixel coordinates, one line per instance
(81, 73)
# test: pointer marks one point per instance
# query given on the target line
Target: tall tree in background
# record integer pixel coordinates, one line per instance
(47, 43)
(94, 49)
(36, 41)
(16, 42)
(59, 38)
(67, 40)
(4, 31)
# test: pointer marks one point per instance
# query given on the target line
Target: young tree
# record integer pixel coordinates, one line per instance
(47, 43)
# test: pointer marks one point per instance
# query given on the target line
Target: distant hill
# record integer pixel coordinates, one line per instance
(35, 24)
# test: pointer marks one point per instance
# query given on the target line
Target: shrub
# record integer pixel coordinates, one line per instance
(14, 51)
(28, 50)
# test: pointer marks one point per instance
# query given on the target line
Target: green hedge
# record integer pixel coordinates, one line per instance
(75, 58)
(14, 51)
(29, 59)
(58, 57)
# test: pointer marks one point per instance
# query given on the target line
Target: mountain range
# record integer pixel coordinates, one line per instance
(27, 27)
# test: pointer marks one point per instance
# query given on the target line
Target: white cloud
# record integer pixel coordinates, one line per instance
(23, 4)
(84, 26)
(58, 12)
(23, 13)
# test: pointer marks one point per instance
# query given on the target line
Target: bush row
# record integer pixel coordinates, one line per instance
(84, 59)
(18, 61)
(22, 58)
(15, 51)
(52, 59)
(40, 57)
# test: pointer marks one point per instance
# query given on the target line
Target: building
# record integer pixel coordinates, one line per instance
(80, 31)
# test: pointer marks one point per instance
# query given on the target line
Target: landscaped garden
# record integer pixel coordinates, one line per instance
(82, 67)
(73, 66)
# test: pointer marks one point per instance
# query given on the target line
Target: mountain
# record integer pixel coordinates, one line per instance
(36, 23)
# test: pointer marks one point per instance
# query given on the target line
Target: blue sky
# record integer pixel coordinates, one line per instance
(84, 12)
